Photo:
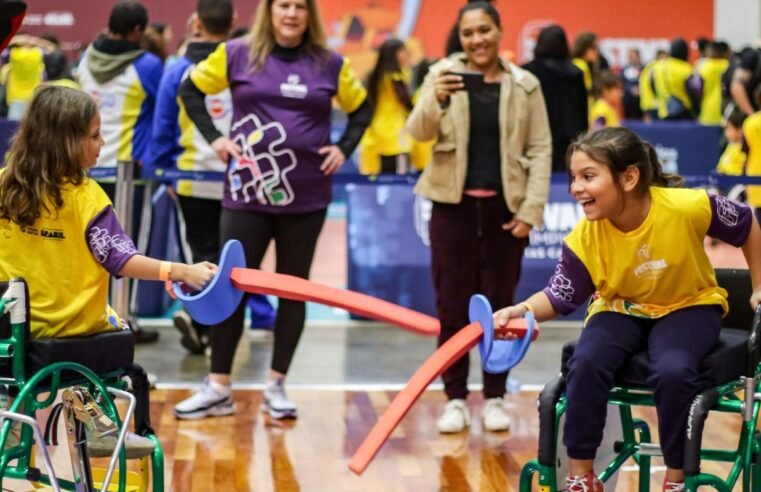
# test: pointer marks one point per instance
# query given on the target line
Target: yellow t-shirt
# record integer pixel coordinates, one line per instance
(752, 136)
(732, 160)
(68, 288)
(711, 71)
(641, 273)
(603, 115)
(670, 77)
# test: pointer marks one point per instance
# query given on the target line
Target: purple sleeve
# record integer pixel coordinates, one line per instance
(730, 220)
(108, 243)
(570, 286)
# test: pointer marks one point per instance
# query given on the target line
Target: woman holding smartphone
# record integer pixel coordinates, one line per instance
(488, 180)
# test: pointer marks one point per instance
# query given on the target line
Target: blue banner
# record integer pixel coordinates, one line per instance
(389, 255)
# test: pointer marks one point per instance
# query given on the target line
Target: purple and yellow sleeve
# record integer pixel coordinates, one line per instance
(210, 76)
(730, 220)
(571, 285)
(351, 93)
(108, 243)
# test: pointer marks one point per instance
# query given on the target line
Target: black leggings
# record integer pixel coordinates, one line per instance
(295, 238)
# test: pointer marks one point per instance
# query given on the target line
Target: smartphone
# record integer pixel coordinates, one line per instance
(473, 81)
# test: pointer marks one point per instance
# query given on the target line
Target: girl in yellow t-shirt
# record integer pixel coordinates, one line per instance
(605, 109)
(639, 250)
(732, 160)
(386, 147)
(58, 229)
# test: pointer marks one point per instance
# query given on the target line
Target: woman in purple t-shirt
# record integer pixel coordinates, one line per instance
(283, 80)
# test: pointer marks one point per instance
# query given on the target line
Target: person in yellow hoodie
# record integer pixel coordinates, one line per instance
(676, 91)
(710, 72)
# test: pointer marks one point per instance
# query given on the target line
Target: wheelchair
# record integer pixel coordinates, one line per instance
(89, 372)
(732, 366)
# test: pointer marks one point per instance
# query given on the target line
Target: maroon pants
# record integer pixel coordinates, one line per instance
(472, 254)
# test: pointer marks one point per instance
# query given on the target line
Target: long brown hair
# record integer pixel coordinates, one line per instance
(618, 148)
(46, 153)
(261, 41)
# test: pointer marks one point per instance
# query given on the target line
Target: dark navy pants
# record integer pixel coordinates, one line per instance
(676, 344)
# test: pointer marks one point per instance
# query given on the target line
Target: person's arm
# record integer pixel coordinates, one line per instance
(737, 90)
(735, 224)
(423, 123)
(356, 125)
(351, 97)
(145, 268)
(537, 150)
(567, 289)
(193, 99)
(208, 77)
(116, 252)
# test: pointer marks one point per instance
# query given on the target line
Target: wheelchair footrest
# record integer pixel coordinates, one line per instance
(645, 448)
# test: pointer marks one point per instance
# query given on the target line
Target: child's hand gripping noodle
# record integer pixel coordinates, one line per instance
(496, 356)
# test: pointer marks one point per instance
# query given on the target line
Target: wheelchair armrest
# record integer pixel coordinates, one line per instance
(753, 341)
(699, 409)
(547, 401)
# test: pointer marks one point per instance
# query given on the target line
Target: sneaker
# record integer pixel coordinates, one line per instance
(455, 417)
(584, 483)
(136, 446)
(495, 416)
(190, 337)
(276, 402)
(212, 400)
(673, 486)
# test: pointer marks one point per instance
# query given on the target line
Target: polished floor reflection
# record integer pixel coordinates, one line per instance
(248, 452)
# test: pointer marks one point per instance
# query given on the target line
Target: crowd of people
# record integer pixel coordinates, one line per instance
(486, 133)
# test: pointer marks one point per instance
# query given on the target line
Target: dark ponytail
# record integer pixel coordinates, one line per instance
(659, 178)
(618, 148)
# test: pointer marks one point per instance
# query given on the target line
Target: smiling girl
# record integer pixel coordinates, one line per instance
(58, 228)
(639, 249)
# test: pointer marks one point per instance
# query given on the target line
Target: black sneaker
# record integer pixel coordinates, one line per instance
(191, 340)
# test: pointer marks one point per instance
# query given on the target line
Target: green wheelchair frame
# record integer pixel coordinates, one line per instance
(49, 380)
(636, 440)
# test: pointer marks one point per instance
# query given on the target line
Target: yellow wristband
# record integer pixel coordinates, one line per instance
(528, 307)
(165, 271)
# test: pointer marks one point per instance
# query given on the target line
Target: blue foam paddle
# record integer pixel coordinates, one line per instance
(498, 356)
(219, 300)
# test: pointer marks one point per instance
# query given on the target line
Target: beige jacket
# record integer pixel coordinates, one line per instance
(526, 146)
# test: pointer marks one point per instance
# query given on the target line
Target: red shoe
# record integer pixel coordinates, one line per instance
(672, 486)
(584, 483)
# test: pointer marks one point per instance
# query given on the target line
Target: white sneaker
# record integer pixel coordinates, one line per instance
(212, 399)
(455, 417)
(495, 416)
(276, 402)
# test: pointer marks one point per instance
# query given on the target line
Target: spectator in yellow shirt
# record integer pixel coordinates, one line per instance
(732, 160)
(604, 112)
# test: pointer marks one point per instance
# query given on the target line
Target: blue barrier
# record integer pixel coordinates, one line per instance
(683, 147)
